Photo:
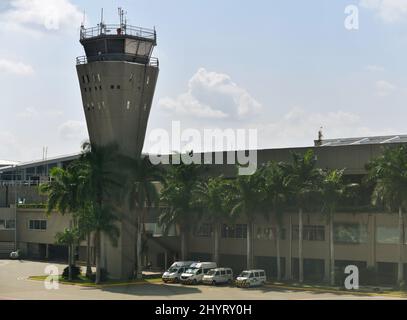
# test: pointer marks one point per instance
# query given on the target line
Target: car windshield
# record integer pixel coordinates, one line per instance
(211, 272)
(192, 270)
(173, 270)
(245, 274)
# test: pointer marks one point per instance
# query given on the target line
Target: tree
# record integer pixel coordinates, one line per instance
(176, 195)
(332, 189)
(303, 179)
(389, 172)
(69, 237)
(63, 195)
(209, 197)
(103, 176)
(276, 194)
(247, 198)
(143, 195)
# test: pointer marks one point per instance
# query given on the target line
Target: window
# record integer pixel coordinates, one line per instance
(7, 224)
(99, 77)
(86, 90)
(87, 78)
(238, 231)
(10, 224)
(37, 225)
(83, 79)
(350, 233)
(310, 233)
(96, 88)
(128, 105)
(229, 271)
(268, 233)
(145, 106)
(148, 80)
(118, 87)
(262, 274)
(204, 231)
(112, 87)
(387, 235)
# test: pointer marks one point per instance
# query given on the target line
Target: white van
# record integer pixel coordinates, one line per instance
(251, 278)
(218, 276)
(196, 272)
(173, 274)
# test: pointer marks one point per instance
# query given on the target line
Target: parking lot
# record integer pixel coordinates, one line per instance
(14, 284)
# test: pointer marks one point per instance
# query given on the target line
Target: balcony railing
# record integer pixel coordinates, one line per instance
(154, 62)
(118, 30)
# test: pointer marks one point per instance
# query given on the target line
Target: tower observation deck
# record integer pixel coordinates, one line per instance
(117, 78)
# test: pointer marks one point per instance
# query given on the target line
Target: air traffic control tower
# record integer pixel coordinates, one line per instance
(117, 80)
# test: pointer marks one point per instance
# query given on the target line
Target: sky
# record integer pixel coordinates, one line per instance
(283, 67)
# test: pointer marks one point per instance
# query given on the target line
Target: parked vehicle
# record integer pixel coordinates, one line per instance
(173, 274)
(251, 278)
(218, 276)
(196, 272)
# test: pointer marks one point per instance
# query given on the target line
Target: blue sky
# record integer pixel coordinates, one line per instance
(285, 67)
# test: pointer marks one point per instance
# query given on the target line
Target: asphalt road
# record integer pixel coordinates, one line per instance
(14, 285)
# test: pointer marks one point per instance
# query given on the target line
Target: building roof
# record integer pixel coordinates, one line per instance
(6, 163)
(362, 141)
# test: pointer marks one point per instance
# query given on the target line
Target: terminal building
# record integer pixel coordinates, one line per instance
(363, 237)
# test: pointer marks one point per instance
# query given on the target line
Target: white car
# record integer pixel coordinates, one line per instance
(218, 276)
(251, 278)
(196, 272)
(173, 274)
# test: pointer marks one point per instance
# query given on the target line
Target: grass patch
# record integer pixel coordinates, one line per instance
(85, 282)
(336, 289)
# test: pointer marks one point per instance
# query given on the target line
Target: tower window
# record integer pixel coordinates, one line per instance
(86, 90)
(87, 77)
(90, 89)
(83, 79)
(148, 80)
(118, 87)
(93, 77)
(100, 88)
(99, 105)
(128, 105)
(99, 77)
(145, 107)
(112, 87)
(131, 77)
(96, 88)
(103, 104)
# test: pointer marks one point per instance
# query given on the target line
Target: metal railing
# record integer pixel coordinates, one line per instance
(154, 62)
(117, 29)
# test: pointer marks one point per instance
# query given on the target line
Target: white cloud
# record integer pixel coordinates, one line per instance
(212, 95)
(73, 130)
(384, 88)
(15, 67)
(10, 147)
(41, 15)
(388, 10)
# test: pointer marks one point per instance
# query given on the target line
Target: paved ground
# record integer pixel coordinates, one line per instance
(15, 285)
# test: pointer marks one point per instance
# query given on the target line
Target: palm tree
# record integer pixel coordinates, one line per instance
(210, 197)
(332, 190)
(247, 200)
(389, 172)
(103, 181)
(303, 180)
(69, 237)
(63, 195)
(143, 195)
(176, 195)
(276, 193)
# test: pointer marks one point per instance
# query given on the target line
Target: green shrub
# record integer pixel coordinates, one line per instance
(76, 272)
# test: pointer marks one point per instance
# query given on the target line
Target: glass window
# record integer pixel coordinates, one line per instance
(217, 273)
(10, 224)
(204, 231)
(43, 225)
(309, 233)
(350, 233)
(387, 235)
(2, 224)
(238, 231)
